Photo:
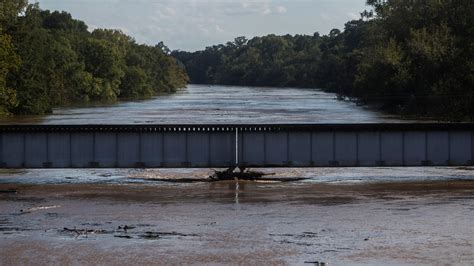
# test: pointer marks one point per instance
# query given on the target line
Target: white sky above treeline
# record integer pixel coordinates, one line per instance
(194, 24)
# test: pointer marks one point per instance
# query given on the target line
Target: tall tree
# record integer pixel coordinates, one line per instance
(49, 59)
(405, 57)
(9, 60)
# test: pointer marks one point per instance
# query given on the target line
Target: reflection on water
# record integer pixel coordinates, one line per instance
(219, 104)
(236, 191)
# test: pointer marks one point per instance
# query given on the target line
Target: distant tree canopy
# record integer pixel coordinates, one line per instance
(49, 59)
(406, 57)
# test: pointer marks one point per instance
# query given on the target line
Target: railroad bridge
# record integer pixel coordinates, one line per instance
(243, 145)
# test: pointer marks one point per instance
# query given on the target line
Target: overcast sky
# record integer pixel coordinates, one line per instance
(194, 24)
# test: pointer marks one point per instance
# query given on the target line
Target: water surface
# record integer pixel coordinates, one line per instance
(364, 216)
(219, 104)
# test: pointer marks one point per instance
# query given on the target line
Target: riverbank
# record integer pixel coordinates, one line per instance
(415, 222)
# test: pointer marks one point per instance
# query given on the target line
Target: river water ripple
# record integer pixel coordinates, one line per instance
(219, 105)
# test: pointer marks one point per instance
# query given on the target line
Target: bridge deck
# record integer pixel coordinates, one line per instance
(204, 146)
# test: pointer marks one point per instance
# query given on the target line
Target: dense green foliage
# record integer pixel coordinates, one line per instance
(9, 60)
(49, 59)
(407, 57)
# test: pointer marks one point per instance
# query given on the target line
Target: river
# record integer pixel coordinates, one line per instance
(218, 104)
(391, 216)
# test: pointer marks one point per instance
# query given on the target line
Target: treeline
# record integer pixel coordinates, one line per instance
(49, 59)
(406, 57)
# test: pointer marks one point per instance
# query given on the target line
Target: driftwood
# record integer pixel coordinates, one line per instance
(125, 228)
(12, 191)
(231, 174)
(152, 235)
(85, 232)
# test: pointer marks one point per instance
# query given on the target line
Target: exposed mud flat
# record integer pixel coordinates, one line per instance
(417, 222)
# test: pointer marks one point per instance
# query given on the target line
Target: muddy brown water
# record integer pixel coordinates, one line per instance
(427, 223)
(217, 105)
(350, 216)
